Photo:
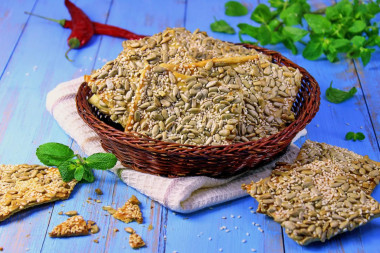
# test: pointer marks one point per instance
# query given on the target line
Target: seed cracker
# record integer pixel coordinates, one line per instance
(130, 211)
(73, 226)
(366, 170)
(23, 186)
(315, 201)
(135, 241)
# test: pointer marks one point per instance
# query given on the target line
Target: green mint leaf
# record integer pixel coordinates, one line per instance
(318, 24)
(248, 29)
(338, 96)
(78, 174)
(276, 3)
(357, 27)
(350, 136)
(313, 50)
(274, 25)
(360, 136)
(53, 154)
(345, 8)
(358, 40)
(235, 9)
(222, 26)
(365, 55)
(101, 161)
(332, 13)
(332, 55)
(276, 37)
(66, 169)
(288, 43)
(261, 14)
(341, 45)
(293, 33)
(264, 35)
(373, 8)
(292, 15)
(88, 175)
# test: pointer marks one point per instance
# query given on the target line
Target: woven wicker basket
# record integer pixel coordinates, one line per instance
(174, 160)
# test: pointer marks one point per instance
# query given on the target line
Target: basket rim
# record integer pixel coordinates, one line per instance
(292, 129)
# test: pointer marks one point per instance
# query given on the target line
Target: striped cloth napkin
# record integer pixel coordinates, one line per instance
(185, 194)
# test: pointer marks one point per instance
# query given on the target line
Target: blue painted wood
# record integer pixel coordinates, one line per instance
(37, 64)
(12, 23)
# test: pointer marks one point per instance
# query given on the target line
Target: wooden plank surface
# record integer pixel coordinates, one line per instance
(32, 62)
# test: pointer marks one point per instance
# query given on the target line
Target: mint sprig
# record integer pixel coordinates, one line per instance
(338, 96)
(347, 27)
(355, 136)
(71, 165)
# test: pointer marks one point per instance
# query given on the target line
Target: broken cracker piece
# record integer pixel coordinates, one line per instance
(366, 170)
(23, 186)
(135, 241)
(73, 226)
(130, 211)
(315, 201)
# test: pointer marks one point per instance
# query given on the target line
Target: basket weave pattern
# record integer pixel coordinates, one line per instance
(174, 160)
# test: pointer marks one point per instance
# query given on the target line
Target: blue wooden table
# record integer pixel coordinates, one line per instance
(32, 63)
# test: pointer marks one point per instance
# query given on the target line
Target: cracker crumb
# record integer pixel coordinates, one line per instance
(130, 211)
(60, 213)
(98, 191)
(135, 241)
(73, 226)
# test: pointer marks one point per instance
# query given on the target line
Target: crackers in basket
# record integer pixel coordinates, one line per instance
(23, 186)
(189, 88)
(317, 199)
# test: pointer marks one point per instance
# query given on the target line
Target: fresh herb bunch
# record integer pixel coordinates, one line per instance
(355, 136)
(72, 165)
(338, 96)
(346, 27)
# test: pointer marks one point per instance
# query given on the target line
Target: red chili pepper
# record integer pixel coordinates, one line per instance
(101, 29)
(82, 28)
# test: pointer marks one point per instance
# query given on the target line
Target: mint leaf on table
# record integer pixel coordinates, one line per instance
(338, 96)
(53, 154)
(222, 26)
(294, 34)
(365, 55)
(355, 136)
(101, 161)
(61, 156)
(318, 24)
(78, 174)
(67, 170)
(261, 14)
(292, 15)
(357, 27)
(235, 9)
(313, 50)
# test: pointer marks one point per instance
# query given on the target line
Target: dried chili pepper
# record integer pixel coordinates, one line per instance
(99, 28)
(82, 28)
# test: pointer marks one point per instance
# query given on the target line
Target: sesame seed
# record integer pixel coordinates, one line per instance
(262, 231)
(220, 250)
(250, 207)
(253, 223)
(232, 216)
(209, 238)
(224, 217)
(236, 227)
(227, 230)
(253, 211)
(253, 250)
(247, 234)
(244, 241)
(239, 217)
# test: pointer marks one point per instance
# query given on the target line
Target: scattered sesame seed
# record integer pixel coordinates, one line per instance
(164, 237)
(253, 211)
(253, 250)
(317, 125)
(361, 127)
(232, 216)
(27, 74)
(224, 217)
(220, 250)
(175, 251)
(262, 231)
(244, 241)
(174, 213)
(223, 227)
(247, 234)
(347, 124)
(227, 230)
(35, 67)
(209, 238)
(239, 217)
(253, 223)
(236, 227)
(250, 207)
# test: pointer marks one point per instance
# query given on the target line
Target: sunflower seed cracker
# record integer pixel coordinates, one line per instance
(23, 186)
(130, 211)
(135, 241)
(73, 226)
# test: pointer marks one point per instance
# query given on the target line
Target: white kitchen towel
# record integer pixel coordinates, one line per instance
(185, 194)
